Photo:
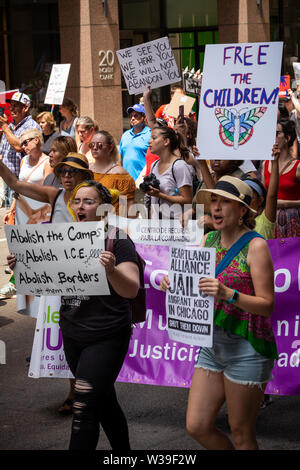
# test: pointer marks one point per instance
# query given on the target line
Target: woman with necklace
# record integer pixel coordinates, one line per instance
(288, 199)
(108, 172)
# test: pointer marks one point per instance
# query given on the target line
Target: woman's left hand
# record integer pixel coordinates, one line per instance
(212, 286)
(108, 260)
(154, 192)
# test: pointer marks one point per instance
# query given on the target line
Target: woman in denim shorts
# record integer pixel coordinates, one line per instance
(238, 366)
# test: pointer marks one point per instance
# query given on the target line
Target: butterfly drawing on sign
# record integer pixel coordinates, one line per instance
(236, 128)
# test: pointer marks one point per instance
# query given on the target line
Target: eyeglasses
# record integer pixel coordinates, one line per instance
(84, 202)
(25, 142)
(96, 145)
(69, 171)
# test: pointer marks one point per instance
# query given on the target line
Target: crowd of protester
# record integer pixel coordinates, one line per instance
(64, 165)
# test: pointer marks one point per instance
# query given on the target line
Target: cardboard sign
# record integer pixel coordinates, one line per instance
(57, 84)
(190, 311)
(239, 101)
(151, 63)
(58, 259)
(180, 100)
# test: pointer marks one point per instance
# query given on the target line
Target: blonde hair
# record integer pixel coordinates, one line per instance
(48, 117)
(33, 133)
(108, 196)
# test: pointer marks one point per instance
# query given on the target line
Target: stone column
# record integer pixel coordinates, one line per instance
(89, 37)
(243, 21)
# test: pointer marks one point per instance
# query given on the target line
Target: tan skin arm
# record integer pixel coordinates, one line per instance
(185, 195)
(11, 138)
(34, 191)
(124, 278)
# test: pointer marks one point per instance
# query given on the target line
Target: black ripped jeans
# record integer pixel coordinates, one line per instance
(95, 367)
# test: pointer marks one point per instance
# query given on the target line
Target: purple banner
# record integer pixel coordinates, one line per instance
(285, 319)
(154, 359)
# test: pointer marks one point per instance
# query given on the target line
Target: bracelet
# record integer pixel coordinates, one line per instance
(234, 297)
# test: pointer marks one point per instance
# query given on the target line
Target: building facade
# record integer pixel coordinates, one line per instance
(34, 34)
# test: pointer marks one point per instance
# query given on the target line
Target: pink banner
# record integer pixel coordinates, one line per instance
(154, 359)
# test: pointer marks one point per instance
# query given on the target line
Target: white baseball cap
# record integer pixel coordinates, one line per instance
(21, 97)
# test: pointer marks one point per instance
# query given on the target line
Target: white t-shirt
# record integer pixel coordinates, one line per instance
(178, 174)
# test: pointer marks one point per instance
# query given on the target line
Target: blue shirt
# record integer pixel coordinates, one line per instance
(10, 157)
(133, 148)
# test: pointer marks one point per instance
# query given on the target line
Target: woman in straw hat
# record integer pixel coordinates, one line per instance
(73, 169)
(238, 366)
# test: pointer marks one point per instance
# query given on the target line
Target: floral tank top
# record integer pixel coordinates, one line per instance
(254, 328)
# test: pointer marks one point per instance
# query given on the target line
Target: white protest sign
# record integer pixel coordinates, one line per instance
(159, 232)
(57, 84)
(58, 259)
(239, 101)
(190, 311)
(296, 67)
(151, 63)
(47, 356)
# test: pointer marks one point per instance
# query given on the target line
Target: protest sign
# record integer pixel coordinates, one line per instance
(58, 259)
(4, 105)
(180, 100)
(239, 101)
(151, 63)
(285, 85)
(57, 84)
(192, 81)
(160, 232)
(296, 67)
(154, 359)
(190, 311)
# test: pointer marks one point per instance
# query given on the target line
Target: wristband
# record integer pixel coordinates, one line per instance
(234, 297)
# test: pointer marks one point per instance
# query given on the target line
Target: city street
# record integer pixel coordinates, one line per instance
(156, 415)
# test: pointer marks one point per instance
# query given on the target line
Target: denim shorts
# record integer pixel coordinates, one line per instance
(236, 358)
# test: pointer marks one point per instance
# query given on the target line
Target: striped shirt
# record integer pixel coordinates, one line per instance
(10, 157)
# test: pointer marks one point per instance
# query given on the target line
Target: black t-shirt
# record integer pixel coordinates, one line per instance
(88, 318)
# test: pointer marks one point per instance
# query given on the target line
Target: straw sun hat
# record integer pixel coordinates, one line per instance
(230, 188)
(76, 160)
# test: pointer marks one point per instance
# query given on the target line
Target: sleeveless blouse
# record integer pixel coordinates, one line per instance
(254, 328)
(289, 186)
(124, 183)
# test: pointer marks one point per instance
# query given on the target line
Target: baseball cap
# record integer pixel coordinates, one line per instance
(21, 97)
(137, 107)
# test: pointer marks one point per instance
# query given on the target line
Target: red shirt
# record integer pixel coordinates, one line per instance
(289, 186)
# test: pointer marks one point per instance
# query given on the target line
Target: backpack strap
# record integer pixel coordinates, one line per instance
(53, 205)
(235, 249)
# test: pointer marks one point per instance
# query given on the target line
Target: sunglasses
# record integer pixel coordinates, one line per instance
(84, 202)
(25, 142)
(96, 145)
(69, 171)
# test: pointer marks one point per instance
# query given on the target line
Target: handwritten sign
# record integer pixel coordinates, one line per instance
(190, 311)
(160, 232)
(57, 84)
(239, 100)
(151, 63)
(58, 259)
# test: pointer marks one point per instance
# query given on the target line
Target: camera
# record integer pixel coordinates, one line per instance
(149, 180)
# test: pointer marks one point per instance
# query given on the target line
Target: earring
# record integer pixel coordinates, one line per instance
(241, 221)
